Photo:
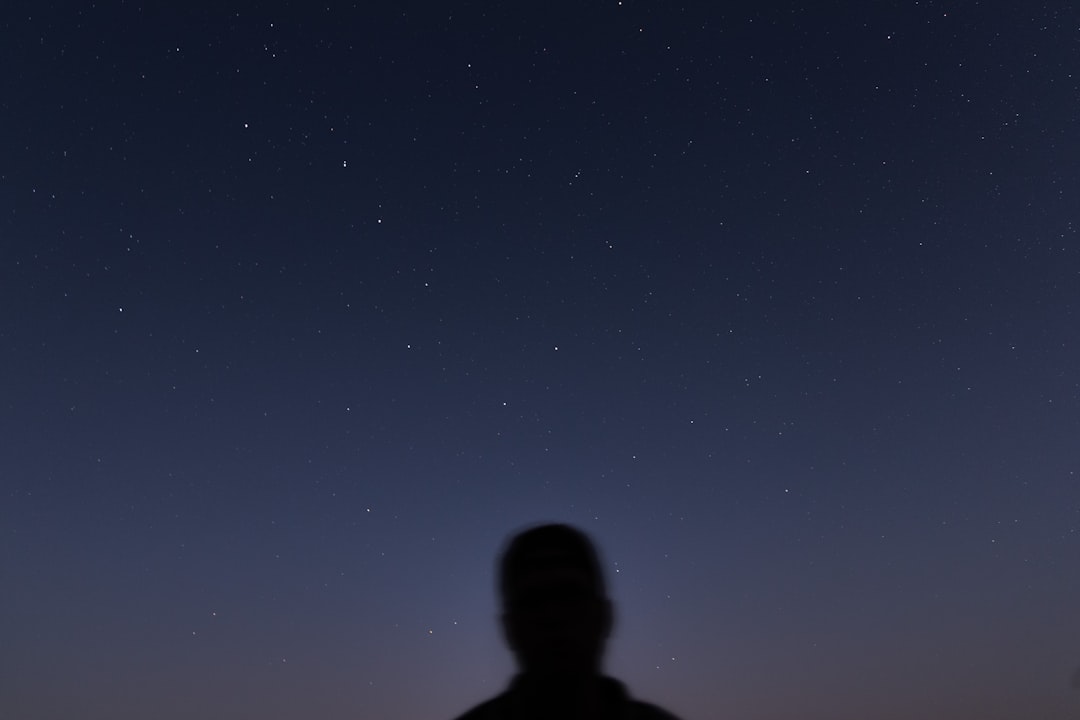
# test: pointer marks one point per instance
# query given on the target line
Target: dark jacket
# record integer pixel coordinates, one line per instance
(514, 704)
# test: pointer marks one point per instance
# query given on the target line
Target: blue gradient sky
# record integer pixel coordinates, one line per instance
(303, 310)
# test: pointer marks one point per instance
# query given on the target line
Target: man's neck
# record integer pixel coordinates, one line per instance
(568, 697)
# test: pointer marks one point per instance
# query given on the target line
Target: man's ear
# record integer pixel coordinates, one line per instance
(506, 622)
(607, 618)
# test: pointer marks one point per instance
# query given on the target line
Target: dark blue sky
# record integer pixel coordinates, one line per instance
(304, 309)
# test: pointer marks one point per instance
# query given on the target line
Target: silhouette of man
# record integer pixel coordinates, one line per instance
(556, 617)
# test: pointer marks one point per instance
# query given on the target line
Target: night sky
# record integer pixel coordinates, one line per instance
(304, 309)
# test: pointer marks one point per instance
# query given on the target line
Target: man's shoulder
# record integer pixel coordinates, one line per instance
(496, 708)
(634, 709)
(487, 710)
(647, 711)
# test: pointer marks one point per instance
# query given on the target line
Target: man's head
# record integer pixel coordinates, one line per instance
(556, 613)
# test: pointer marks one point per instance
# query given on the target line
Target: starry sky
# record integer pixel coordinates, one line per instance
(304, 308)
